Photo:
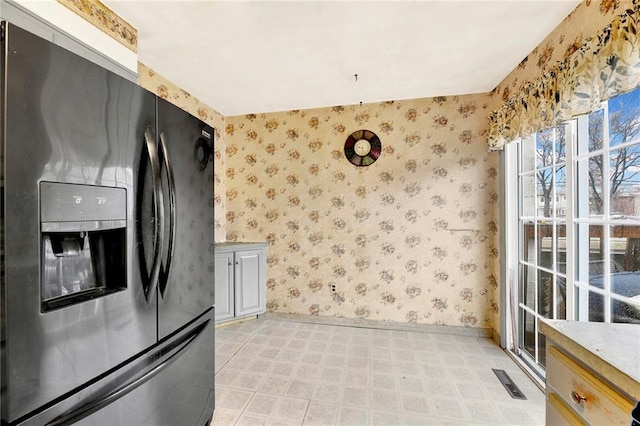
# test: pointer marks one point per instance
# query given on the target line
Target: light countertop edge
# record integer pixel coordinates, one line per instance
(236, 245)
(611, 350)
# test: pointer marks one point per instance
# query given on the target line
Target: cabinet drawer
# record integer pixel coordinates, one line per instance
(559, 413)
(588, 395)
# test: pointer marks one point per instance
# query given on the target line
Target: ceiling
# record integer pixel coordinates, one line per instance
(244, 57)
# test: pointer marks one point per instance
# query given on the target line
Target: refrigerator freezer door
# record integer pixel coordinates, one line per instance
(182, 394)
(168, 385)
(67, 121)
(188, 288)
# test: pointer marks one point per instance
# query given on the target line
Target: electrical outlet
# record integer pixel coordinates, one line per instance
(332, 288)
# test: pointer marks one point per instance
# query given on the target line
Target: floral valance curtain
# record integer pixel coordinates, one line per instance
(606, 65)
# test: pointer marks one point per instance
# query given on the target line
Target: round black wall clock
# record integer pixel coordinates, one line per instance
(362, 147)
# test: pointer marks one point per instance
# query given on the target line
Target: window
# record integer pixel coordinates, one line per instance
(542, 230)
(607, 215)
(578, 223)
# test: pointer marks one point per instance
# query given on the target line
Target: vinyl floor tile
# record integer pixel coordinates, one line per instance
(283, 372)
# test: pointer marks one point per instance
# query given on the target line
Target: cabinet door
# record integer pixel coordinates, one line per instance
(250, 285)
(224, 286)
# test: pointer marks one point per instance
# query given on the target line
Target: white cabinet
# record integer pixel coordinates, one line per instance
(224, 286)
(250, 282)
(240, 280)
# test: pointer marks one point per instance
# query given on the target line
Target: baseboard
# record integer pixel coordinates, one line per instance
(382, 325)
(235, 321)
(495, 336)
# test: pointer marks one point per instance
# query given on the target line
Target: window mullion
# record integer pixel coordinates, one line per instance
(580, 217)
(606, 225)
(570, 244)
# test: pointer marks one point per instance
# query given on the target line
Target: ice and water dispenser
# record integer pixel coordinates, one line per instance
(83, 242)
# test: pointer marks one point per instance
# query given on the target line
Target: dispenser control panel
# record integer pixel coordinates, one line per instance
(64, 202)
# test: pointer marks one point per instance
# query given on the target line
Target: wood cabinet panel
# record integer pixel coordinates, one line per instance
(586, 394)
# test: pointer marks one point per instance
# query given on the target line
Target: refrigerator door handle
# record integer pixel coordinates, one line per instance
(158, 207)
(171, 352)
(164, 271)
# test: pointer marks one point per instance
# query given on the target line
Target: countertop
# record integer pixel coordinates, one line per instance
(611, 350)
(235, 245)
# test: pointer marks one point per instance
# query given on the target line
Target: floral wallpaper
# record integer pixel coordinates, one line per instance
(411, 238)
(588, 58)
(105, 19)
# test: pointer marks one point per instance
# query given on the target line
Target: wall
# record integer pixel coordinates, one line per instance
(379, 233)
(411, 238)
(342, 236)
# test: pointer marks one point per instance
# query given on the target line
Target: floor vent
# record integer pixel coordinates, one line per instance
(508, 384)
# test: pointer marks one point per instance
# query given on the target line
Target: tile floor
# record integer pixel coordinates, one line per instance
(281, 372)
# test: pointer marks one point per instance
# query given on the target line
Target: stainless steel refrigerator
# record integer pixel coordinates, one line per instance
(106, 298)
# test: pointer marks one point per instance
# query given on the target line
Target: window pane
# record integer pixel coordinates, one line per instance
(596, 307)
(583, 189)
(560, 206)
(596, 203)
(528, 195)
(625, 284)
(590, 191)
(561, 299)
(545, 290)
(624, 248)
(561, 248)
(596, 133)
(545, 245)
(589, 240)
(528, 245)
(596, 250)
(624, 111)
(561, 144)
(541, 349)
(528, 335)
(544, 148)
(527, 287)
(626, 312)
(624, 165)
(544, 191)
(527, 154)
